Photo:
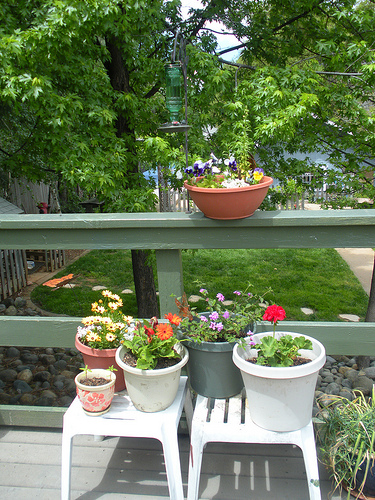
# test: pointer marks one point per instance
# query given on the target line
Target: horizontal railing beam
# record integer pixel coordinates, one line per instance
(278, 229)
(337, 337)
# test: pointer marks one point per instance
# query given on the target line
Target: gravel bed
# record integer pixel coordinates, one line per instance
(36, 376)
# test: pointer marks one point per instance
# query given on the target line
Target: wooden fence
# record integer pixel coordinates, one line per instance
(168, 234)
(13, 272)
(51, 259)
(174, 200)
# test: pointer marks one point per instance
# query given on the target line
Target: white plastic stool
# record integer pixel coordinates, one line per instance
(228, 421)
(126, 421)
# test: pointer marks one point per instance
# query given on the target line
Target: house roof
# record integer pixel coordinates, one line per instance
(8, 208)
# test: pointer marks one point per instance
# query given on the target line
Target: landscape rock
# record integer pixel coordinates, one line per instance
(370, 372)
(19, 302)
(25, 375)
(11, 311)
(13, 352)
(21, 386)
(363, 384)
(8, 375)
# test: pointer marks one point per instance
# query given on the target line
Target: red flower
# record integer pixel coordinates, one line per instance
(154, 321)
(274, 314)
(164, 331)
(174, 319)
(149, 332)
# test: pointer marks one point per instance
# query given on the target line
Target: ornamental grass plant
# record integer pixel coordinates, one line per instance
(346, 440)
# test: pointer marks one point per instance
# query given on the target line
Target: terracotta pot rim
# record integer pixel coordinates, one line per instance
(89, 350)
(266, 181)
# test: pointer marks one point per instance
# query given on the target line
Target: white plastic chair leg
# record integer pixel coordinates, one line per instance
(172, 463)
(66, 459)
(308, 448)
(195, 461)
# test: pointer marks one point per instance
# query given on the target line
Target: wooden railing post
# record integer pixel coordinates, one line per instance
(170, 279)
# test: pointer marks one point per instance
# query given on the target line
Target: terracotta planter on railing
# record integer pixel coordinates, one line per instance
(229, 203)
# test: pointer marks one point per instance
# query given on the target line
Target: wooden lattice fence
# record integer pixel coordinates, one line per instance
(13, 272)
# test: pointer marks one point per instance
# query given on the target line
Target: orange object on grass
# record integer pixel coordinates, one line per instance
(58, 282)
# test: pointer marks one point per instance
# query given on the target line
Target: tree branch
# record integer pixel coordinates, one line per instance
(274, 30)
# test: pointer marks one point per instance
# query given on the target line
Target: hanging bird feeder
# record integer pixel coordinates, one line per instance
(174, 75)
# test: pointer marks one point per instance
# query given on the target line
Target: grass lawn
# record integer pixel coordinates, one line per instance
(318, 279)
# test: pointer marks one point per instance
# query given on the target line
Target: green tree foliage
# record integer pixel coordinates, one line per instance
(79, 84)
(81, 89)
(304, 82)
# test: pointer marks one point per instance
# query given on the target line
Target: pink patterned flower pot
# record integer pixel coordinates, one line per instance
(101, 358)
(95, 400)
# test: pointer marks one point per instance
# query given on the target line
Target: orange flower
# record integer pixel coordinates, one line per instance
(164, 331)
(174, 319)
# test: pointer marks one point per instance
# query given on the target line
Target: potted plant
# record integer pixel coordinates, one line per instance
(230, 192)
(280, 372)
(346, 436)
(211, 336)
(95, 389)
(102, 333)
(151, 358)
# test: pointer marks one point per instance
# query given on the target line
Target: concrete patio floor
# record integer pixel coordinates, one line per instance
(133, 469)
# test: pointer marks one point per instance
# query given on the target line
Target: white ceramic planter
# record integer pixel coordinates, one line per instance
(95, 400)
(152, 390)
(280, 399)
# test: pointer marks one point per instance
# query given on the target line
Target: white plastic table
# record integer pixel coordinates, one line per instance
(228, 421)
(126, 421)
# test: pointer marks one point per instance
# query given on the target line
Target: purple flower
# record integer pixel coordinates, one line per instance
(203, 318)
(213, 325)
(219, 327)
(236, 292)
(249, 333)
(214, 316)
(203, 290)
(252, 343)
(220, 297)
(249, 294)
(260, 170)
(226, 314)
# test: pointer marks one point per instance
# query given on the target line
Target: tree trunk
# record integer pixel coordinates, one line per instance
(142, 272)
(144, 285)
(364, 361)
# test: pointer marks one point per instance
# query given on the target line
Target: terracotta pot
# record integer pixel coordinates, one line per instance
(95, 400)
(101, 358)
(226, 204)
(152, 390)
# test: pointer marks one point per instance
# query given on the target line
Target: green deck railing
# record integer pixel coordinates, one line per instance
(168, 233)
